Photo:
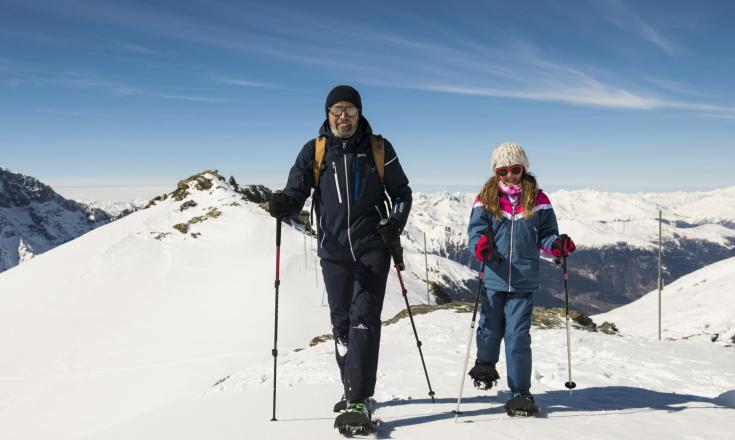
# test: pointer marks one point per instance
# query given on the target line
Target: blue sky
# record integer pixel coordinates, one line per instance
(607, 94)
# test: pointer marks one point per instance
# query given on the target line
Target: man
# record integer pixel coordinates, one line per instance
(355, 228)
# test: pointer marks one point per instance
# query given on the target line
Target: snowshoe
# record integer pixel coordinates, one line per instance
(355, 420)
(341, 405)
(484, 376)
(521, 404)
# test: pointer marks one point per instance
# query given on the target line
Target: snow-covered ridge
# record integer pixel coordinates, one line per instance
(116, 208)
(701, 304)
(595, 218)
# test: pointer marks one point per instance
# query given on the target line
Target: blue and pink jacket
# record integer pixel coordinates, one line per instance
(517, 242)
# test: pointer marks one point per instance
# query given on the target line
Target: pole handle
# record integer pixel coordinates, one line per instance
(396, 250)
(278, 231)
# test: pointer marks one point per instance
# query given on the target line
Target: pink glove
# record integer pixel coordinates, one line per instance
(563, 246)
(484, 249)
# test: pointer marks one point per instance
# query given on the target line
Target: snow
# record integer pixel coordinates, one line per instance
(34, 219)
(594, 218)
(129, 330)
(622, 383)
(116, 207)
(698, 305)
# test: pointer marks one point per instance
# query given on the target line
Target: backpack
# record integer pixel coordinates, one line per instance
(376, 142)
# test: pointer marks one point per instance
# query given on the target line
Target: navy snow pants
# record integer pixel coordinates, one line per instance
(507, 316)
(356, 290)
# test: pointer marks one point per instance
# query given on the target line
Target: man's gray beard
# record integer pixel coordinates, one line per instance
(336, 132)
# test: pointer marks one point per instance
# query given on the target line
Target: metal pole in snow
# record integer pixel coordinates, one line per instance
(426, 264)
(660, 280)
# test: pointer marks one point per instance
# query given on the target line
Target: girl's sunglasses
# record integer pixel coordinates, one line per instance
(503, 171)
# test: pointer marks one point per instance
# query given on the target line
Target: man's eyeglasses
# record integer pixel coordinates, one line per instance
(337, 110)
(503, 171)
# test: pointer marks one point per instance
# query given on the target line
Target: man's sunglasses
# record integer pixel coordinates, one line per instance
(503, 171)
(336, 110)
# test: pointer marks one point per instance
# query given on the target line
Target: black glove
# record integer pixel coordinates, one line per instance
(389, 231)
(279, 205)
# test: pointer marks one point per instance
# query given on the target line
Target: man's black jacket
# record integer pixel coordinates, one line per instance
(350, 200)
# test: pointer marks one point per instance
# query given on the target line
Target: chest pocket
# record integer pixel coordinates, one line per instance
(527, 237)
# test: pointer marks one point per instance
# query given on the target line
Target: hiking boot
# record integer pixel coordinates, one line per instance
(359, 407)
(521, 404)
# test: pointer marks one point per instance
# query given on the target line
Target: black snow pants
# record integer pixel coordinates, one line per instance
(356, 290)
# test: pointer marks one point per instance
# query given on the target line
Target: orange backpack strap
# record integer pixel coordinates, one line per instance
(320, 146)
(378, 144)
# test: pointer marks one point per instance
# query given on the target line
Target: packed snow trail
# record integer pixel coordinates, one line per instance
(661, 389)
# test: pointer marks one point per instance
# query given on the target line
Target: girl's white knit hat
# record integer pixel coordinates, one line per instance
(507, 154)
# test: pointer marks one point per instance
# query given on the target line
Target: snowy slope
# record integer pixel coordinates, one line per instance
(701, 304)
(124, 332)
(136, 314)
(622, 383)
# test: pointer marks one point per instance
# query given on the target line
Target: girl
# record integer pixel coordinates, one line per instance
(511, 220)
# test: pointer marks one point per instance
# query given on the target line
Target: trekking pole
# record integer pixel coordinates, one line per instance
(274, 352)
(397, 253)
(456, 411)
(570, 384)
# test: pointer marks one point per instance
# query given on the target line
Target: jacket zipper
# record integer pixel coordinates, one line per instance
(510, 257)
(357, 178)
(347, 189)
(336, 183)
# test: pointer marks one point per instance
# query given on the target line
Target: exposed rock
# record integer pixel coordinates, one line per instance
(182, 227)
(155, 200)
(440, 297)
(255, 193)
(35, 219)
(319, 339)
(160, 235)
(187, 204)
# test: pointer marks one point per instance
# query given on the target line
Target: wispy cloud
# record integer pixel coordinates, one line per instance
(61, 112)
(134, 48)
(238, 81)
(627, 20)
(500, 65)
(88, 81)
(182, 97)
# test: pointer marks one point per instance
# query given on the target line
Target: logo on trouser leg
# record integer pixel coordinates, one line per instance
(360, 326)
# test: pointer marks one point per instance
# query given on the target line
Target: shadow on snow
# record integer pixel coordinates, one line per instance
(593, 401)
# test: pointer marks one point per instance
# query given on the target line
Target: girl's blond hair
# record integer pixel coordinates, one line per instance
(490, 195)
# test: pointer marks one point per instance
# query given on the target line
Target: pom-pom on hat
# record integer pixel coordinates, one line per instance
(507, 154)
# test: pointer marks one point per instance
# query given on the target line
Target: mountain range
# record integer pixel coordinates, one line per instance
(616, 234)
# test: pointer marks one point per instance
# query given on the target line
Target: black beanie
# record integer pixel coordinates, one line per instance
(343, 93)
